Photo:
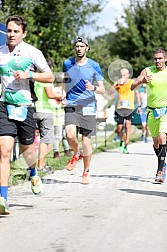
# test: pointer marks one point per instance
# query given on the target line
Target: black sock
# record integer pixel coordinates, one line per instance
(121, 143)
(156, 151)
(161, 156)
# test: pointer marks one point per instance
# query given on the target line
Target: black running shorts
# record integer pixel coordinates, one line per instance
(24, 130)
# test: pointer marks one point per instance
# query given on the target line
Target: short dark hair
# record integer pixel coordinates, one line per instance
(18, 20)
(160, 50)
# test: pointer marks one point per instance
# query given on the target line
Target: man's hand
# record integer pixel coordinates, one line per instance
(139, 109)
(89, 86)
(147, 78)
(20, 75)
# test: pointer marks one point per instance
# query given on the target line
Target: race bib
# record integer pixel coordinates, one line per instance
(18, 113)
(89, 110)
(158, 112)
(125, 104)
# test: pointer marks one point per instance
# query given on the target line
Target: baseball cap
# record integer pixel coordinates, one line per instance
(83, 40)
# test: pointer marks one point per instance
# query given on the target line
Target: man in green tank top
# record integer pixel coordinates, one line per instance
(156, 79)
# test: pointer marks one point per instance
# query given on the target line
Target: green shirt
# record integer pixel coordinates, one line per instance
(42, 104)
(157, 88)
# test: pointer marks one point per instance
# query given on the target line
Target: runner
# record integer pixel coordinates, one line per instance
(18, 61)
(80, 111)
(45, 121)
(124, 108)
(143, 113)
(155, 78)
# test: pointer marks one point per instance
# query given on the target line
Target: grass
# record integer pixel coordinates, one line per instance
(19, 172)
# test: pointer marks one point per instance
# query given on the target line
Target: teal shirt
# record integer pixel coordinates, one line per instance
(26, 58)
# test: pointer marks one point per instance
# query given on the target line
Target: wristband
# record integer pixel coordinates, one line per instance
(31, 75)
(139, 106)
(95, 88)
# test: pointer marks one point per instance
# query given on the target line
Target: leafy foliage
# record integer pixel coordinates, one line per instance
(52, 24)
(144, 30)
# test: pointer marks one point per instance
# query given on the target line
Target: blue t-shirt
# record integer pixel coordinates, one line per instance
(76, 93)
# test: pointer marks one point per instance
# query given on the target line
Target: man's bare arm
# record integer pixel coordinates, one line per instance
(141, 79)
(45, 77)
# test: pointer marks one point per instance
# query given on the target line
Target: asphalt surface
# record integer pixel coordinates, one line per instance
(122, 210)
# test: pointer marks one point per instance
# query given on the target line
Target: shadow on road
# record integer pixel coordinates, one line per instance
(152, 193)
(132, 178)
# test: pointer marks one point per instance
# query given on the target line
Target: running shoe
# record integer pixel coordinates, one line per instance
(73, 162)
(146, 140)
(4, 207)
(159, 177)
(125, 151)
(121, 147)
(46, 168)
(85, 178)
(142, 138)
(67, 153)
(164, 172)
(116, 139)
(36, 184)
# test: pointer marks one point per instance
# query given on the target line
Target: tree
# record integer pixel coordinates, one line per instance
(100, 51)
(144, 30)
(52, 24)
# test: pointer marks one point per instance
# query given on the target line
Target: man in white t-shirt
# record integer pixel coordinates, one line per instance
(19, 63)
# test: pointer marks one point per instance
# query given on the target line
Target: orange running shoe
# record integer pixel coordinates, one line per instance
(85, 178)
(73, 162)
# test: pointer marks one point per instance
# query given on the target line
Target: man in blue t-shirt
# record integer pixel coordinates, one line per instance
(83, 77)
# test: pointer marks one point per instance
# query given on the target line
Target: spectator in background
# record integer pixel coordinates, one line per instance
(59, 119)
(143, 113)
(44, 116)
(124, 108)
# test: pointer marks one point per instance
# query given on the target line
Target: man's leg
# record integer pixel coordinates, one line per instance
(156, 145)
(121, 136)
(74, 145)
(120, 131)
(72, 138)
(46, 130)
(29, 154)
(87, 152)
(67, 151)
(160, 150)
(6, 146)
(30, 158)
(147, 131)
(57, 138)
(127, 131)
(44, 149)
(87, 155)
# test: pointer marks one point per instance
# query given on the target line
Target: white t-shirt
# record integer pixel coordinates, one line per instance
(26, 58)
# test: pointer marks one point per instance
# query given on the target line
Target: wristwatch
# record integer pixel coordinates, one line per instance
(95, 88)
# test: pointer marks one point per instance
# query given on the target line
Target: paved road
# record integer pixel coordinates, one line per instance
(122, 210)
